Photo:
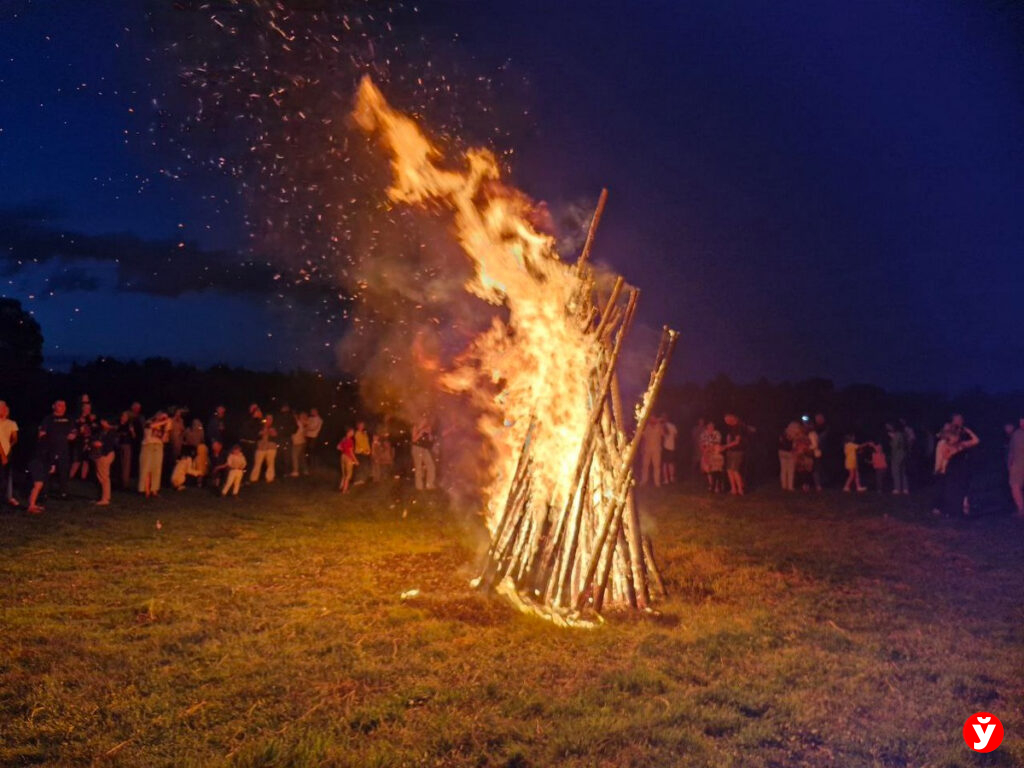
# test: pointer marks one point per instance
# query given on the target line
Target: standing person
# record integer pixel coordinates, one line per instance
(898, 457)
(8, 439)
(697, 455)
(364, 453)
(823, 471)
(298, 446)
(422, 458)
(313, 426)
(81, 448)
(879, 464)
(125, 447)
(1015, 466)
(218, 463)
(286, 425)
(851, 451)
(266, 451)
(670, 434)
(347, 449)
(177, 434)
(249, 434)
(383, 458)
(103, 450)
(138, 427)
(216, 428)
(39, 468)
(195, 435)
(60, 433)
(787, 459)
(650, 454)
(736, 436)
(234, 465)
(710, 453)
(815, 454)
(803, 459)
(155, 434)
(957, 496)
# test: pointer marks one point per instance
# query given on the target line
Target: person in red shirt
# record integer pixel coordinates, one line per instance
(347, 448)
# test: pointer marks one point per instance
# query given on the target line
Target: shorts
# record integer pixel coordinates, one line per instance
(38, 470)
(734, 461)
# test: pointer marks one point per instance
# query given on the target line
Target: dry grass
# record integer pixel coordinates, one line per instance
(270, 632)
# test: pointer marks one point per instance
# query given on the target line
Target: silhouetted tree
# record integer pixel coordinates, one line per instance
(21, 339)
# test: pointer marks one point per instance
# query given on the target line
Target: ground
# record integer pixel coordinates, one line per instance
(806, 630)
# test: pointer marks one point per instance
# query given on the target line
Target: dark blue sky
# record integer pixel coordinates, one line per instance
(801, 188)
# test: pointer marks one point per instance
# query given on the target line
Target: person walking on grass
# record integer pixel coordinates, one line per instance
(347, 449)
(851, 454)
(266, 451)
(103, 450)
(1015, 467)
(8, 439)
(234, 467)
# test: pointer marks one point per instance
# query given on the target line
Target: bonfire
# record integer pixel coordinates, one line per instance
(565, 534)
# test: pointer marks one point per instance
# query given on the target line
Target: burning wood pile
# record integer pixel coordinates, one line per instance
(565, 530)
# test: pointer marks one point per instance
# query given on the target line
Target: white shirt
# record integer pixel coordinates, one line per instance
(669, 439)
(7, 428)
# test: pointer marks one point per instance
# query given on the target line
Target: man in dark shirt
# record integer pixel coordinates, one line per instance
(60, 432)
(249, 433)
(103, 450)
(285, 425)
(215, 430)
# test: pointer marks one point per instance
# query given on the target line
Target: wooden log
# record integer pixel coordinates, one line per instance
(652, 567)
(592, 231)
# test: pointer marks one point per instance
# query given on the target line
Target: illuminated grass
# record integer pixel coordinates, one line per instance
(270, 632)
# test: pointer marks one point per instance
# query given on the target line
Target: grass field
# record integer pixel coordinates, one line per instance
(270, 631)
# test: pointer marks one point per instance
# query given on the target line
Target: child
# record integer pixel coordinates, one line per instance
(879, 464)
(235, 465)
(347, 447)
(850, 450)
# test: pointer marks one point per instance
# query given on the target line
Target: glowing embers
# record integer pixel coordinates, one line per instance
(565, 533)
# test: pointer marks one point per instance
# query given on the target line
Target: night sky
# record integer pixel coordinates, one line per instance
(802, 189)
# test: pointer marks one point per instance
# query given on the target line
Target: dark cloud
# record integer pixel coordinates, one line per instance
(32, 236)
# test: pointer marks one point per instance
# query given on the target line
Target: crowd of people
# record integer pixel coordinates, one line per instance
(143, 454)
(808, 455)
